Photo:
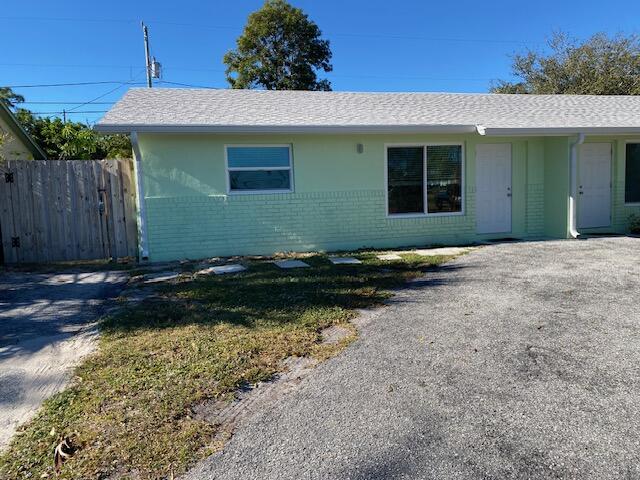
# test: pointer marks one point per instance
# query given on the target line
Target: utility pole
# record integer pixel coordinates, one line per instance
(146, 54)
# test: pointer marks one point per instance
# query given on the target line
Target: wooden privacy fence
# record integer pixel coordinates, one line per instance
(59, 210)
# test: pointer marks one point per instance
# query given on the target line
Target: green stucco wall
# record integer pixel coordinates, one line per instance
(556, 182)
(339, 197)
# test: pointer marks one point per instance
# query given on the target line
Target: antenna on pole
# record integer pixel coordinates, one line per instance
(146, 54)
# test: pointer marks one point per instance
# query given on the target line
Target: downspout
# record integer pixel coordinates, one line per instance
(573, 193)
(142, 210)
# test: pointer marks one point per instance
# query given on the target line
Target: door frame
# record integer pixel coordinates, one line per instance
(510, 145)
(611, 177)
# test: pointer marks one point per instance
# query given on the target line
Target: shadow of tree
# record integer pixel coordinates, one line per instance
(40, 305)
(267, 296)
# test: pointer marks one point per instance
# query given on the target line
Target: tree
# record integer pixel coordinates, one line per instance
(66, 140)
(601, 65)
(279, 49)
(72, 140)
(9, 97)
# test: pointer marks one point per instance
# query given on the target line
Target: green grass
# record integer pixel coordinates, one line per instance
(130, 406)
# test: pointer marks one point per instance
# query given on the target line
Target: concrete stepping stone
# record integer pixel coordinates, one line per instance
(432, 252)
(390, 256)
(222, 269)
(333, 334)
(161, 277)
(291, 264)
(344, 260)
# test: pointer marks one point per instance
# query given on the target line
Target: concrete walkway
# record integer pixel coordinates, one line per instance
(45, 328)
(514, 361)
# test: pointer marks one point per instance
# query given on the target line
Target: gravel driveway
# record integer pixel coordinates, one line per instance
(45, 328)
(515, 361)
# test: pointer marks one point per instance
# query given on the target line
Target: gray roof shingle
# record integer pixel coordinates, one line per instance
(161, 109)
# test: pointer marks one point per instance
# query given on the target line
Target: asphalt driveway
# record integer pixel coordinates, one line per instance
(45, 328)
(515, 361)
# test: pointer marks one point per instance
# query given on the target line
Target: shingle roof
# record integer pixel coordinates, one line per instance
(162, 109)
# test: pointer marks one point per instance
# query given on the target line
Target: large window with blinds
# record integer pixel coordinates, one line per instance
(259, 168)
(425, 179)
(632, 173)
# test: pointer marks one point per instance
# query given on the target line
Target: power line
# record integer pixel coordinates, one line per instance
(63, 102)
(97, 98)
(65, 84)
(212, 70)
(188, 85)
(328, 34)
(122, 84)
(93, 66)
(68, 19)
(331, 75)
(62, 65)
(68, 112)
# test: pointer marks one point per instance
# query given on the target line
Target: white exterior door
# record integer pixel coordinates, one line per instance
(493, 188)
(594, 185)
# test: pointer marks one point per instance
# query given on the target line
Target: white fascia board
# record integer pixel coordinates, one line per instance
(310, 129)
(560, 131)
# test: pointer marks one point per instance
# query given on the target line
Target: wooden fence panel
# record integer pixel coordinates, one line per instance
(63, 210)
(129, 193)
(6, 214)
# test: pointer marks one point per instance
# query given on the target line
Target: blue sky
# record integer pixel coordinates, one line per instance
(400, 45)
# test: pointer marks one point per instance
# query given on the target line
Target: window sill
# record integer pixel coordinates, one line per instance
(424, 215)
(257, 192)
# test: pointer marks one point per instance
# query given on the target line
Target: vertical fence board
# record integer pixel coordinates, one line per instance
(57, 219)
(54, 207)
(117, 210)
(41, 200)
(23, 211)
(93, 211)
(131, 220)
(81, 214)
(108, 207)
(6, 217)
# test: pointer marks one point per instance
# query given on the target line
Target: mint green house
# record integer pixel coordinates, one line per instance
(235, 172)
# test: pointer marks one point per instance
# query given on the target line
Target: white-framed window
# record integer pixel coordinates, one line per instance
(259, 168)
(632, 173)
(424, 179)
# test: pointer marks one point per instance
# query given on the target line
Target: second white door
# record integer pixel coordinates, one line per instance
(594, 185)
(493, 188)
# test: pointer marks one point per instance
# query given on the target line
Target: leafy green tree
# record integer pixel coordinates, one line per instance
(279, 49)
(9, 97)
(601, 65)
(72, 140)
(113, 146)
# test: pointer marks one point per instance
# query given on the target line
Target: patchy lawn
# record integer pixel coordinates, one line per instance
(130, 406)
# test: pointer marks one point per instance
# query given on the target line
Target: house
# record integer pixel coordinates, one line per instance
(15, 142)
(234, 172)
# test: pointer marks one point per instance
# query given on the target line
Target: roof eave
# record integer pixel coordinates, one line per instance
(556, 131)
(21, 133)
(283, 129)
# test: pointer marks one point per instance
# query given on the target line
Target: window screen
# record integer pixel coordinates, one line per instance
(405, 179)
(259, 168)
(259, 180)
(632, 173)
(444, 178)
